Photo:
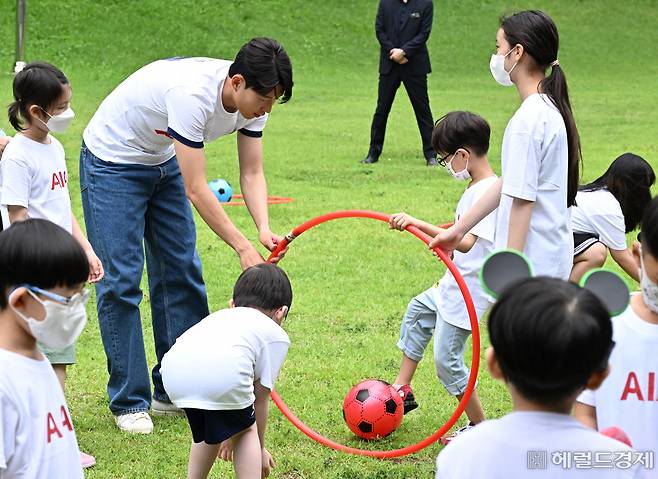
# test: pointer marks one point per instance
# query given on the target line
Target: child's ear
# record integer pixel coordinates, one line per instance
(492, 364)
(597, 378)
(16, 298)
(231, 303)
(281, 314)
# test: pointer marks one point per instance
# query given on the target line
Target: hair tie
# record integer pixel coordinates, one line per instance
(555, 63)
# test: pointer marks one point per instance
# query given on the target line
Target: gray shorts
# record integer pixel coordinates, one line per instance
(59, 356)
(422, 320)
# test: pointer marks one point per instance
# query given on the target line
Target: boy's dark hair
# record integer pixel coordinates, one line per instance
(264, 64)
(264, 287)
(39, 83)
(39, 253)
(461, 129)
(537, 33)
(549, 337)
(629, 178)
(650, 229)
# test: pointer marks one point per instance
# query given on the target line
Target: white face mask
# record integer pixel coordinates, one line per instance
(62, 324)
(497, 67)
(649, 289)
(462, 175)
(59, 123)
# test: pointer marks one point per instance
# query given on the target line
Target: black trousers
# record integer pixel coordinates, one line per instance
(416, 86)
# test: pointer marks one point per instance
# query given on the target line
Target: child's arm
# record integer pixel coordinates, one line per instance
(519, 223)
(624, 258)
(16, 213)
(96, 271)
(400, 221)
(262, 409)
(586, 414)
(450, 238)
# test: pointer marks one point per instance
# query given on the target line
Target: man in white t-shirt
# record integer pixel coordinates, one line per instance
(463, 139)
(141, 160)
(628, 398)
(243, 347)
(550, 339)
(42, 274)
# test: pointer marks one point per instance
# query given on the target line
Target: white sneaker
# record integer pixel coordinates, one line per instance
(135, 423)
(161, 408)
(445, 440)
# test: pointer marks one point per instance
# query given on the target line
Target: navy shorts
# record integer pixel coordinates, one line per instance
(213, 427)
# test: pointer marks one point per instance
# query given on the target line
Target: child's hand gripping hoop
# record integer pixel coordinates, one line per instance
(475, 362)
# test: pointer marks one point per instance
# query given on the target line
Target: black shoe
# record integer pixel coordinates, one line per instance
(370, 159)
(431, 161)
(408, 399)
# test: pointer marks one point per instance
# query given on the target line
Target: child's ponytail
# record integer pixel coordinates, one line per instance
(538, 35)
(555, 86)
(39, 83)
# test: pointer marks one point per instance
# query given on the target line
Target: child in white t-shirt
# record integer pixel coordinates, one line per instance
(540, 153)
(606, 209)
(628, 398)
(33, 173)
(42, 274)
(550, 339)
(244, 347)
(462, 139)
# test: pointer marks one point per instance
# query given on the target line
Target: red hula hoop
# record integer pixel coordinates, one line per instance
(475, 363)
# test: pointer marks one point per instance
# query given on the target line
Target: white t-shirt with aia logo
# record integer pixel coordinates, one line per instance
(34, 175)
(628, 398)
(37, 440)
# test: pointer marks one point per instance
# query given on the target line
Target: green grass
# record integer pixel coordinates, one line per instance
(352, 278)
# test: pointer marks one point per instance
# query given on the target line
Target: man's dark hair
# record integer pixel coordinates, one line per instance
(264, 64)
(264, 287)
(39, 253)
(549, 337)
(461, 129)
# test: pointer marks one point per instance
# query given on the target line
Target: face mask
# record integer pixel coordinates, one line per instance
(497, 67)
(462, 175)
(649, 289)
(59, 123)
(62, 324)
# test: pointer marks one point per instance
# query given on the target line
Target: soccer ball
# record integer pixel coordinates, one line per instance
(373, 409)
(221, 189)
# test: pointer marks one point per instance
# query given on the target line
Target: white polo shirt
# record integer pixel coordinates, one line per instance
(175, 98)
(34, 175)
(535, 158)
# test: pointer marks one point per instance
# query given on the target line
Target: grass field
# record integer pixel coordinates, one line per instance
(352, 279)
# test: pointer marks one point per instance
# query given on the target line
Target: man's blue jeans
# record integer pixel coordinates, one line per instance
(131, 209)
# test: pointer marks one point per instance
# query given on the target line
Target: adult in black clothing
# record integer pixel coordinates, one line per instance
(402, 28)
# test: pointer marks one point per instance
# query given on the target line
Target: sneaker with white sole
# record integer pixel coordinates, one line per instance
(445, 440)
(135, 423)
(161, 408)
